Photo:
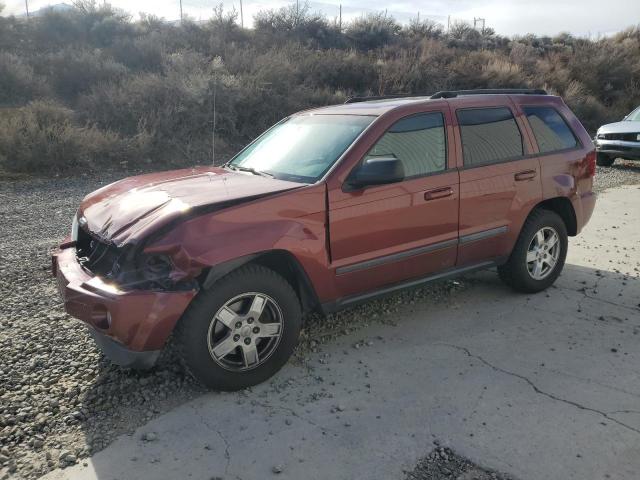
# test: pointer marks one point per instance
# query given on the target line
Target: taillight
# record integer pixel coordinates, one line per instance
(590, 161)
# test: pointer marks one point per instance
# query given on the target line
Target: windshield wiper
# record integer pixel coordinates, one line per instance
(240, 168)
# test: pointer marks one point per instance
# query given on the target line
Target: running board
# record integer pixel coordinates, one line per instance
(341, 303)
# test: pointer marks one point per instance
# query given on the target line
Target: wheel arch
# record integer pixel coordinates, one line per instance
(564, 208)
(282, 262)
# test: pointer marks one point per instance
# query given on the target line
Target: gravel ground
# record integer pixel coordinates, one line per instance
(60, 401)
(442, 463)
(620, 173)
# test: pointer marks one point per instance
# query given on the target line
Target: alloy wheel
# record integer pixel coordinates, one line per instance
(245, 332)
(543, 253)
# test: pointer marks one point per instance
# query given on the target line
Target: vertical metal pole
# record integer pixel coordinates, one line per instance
(448, 23)
(340, 21)
(180, 12)
(26, 5)
(241, 15)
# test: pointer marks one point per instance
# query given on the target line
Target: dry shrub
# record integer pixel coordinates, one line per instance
(18, 83)
(43, 137)
(501, 73)
(584, 105)
(116, 90)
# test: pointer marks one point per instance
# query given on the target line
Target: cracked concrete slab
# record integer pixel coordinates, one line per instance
(539, 386)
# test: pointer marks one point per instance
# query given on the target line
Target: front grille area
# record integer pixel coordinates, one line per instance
(627, 137)
(97, 256)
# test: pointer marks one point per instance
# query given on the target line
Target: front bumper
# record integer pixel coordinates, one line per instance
(130, 327)
(620, 148)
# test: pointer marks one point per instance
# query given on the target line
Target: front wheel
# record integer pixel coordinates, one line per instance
(539, 254)
(604, 160)
(241, 331)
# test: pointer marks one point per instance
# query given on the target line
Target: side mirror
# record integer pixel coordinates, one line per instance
(375, 171)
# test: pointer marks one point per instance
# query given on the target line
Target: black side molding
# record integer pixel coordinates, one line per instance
(395, 257)
(474, 237)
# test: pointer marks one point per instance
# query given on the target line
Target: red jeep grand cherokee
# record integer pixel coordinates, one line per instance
(330, 207)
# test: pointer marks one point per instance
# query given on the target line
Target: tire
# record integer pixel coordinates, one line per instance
(202, 334)
(517, 273)
(604, 160)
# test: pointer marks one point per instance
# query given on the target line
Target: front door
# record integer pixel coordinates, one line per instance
(385, 234)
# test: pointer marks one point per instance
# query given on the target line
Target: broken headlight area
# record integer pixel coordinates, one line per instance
(128, 268)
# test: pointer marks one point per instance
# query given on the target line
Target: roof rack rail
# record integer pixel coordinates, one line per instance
(490, 91)
(356, 99)
(452, 94)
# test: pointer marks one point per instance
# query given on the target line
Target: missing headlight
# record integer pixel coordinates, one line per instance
(156, 269)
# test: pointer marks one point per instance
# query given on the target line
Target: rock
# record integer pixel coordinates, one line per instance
(277, 469)
(64, 454)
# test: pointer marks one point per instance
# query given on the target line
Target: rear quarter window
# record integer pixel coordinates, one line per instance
(489, 135)
(550, 129)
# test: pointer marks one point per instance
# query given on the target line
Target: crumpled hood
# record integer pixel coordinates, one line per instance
(137, 205)
(621, 127)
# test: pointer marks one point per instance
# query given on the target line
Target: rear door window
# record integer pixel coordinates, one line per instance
(489, 135)
(551, 131)
(417, 141)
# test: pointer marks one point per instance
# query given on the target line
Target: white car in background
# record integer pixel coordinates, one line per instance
(619, 140)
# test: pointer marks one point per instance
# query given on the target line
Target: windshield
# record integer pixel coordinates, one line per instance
(634, 116)
(301, 148)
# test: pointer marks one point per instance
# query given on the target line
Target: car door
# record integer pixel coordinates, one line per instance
(384, 234)
(499, 178)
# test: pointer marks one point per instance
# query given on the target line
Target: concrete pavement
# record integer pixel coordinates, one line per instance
(539, 386)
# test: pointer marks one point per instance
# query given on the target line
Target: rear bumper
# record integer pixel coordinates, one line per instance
(583, 207)
(619, 148)
(130, 327)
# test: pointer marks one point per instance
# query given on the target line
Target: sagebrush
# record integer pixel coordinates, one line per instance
(89, 88)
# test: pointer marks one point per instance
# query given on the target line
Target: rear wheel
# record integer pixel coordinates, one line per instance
(240, 331)
(604, 160)
(539, 254)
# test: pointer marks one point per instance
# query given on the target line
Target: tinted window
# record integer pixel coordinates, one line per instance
(417, 141)
(551, 131)
(489, 135)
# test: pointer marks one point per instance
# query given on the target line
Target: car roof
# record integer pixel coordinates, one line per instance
(370, 107)
(380, 106)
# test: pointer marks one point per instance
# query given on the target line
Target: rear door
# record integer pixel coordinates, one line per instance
(381, 235)
(499, 177)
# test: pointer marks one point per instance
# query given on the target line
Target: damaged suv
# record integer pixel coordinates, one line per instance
(328, 208)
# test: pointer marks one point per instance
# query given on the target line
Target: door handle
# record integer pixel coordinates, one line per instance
(438, 193)
(526, 175)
